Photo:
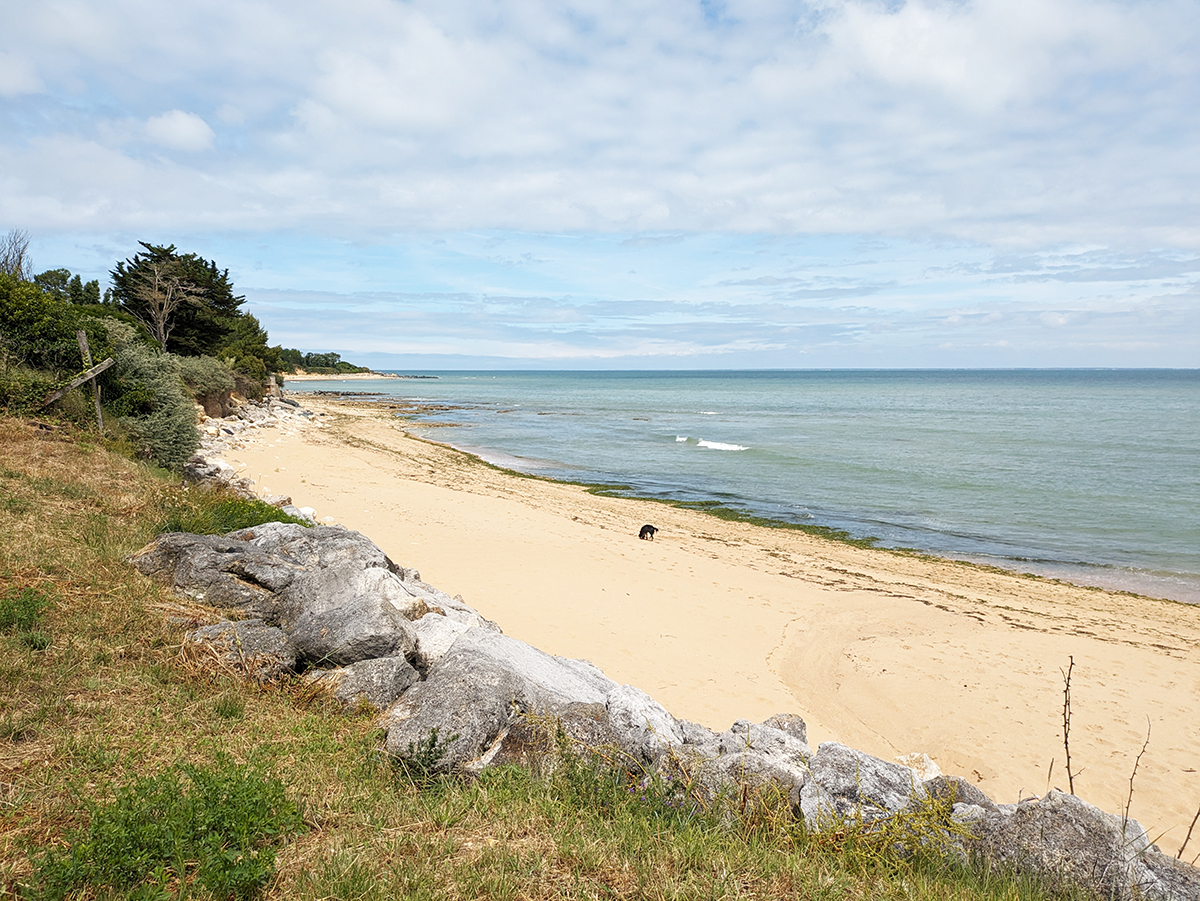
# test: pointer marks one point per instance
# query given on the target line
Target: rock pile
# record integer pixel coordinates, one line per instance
(328, 602)
(245, 425)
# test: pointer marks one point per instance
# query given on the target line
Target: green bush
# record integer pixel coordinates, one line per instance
(153, 408)
(218, 826)
(205, 376)
(36, 329)
(252, 367)
(23, 389)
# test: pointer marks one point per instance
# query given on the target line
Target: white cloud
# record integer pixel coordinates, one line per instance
(177, 130)
(1029, 125)
(998, 120)
(17, 76)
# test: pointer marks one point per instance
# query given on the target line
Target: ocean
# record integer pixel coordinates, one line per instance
(1092, 476)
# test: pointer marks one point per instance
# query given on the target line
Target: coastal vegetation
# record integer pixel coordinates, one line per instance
(172, 325)
(117, 747)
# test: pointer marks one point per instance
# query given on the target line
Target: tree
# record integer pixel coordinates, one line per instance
(246, 348)
(59, 283)
(14, 255)
(291, 358)
(196, 329)
(161, 292)
(36, 328)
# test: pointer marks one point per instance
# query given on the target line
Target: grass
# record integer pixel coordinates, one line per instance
(109, 729)
(204, 511)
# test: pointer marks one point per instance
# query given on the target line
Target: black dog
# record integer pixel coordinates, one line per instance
(647, 532)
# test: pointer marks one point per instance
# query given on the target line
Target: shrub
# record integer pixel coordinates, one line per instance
(23, 389)
(205, 376)
(35, 328)
(154, 410)
(218, 826)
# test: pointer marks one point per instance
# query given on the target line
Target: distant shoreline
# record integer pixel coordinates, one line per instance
(348, 377)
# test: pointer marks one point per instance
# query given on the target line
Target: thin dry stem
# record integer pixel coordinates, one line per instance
(1187, 839)
(1067, 721)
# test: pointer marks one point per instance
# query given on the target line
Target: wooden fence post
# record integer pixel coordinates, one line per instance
(87, 363)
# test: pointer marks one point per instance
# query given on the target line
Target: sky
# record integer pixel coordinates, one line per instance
(651, 184)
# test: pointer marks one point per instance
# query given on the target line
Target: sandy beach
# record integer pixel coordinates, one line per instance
(891, 653)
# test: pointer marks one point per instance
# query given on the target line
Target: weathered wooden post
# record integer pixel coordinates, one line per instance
(87, 362)
(75, 383)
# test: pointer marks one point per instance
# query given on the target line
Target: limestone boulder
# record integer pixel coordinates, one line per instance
(1064, 839)
(645, 729)
(484, 683)
(361, 628)
(758, 757)
(377, 682)
(763, 739)
(338, 596)
(847, 784)
(435, 634)
(219, 571)
(250, 647)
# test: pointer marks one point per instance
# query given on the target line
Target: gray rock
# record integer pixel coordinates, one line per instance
(848, 784)
(646, 729)
(202, 469)
(435, 634)
(791, 723)
(479, 688)
(957, 790)
(439, 602)
(325, 587)
(298, 513)
(250, 647)
(310, 570)
(749, 775)
(538, 742)
(253, 413)
(218, 571)
(1065, 840)
(695, 734)
(745, 736)
(378, 682)
(333, 589)
(760, 758)
(362, 628)
(1178, 881)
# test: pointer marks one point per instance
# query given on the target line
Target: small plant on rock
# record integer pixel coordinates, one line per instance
(420, 763)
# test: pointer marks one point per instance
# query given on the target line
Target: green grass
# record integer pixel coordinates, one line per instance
(21, 609)
(128, 771)
(217, 827)
(204, 511)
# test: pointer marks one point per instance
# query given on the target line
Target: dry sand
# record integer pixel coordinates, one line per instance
(893, 654)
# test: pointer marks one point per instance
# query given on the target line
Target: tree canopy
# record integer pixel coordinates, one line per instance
(61, 284)
(208, 308)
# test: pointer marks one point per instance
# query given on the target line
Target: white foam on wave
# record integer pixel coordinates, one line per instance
(706, 413)
(681, 438)
(717, 445)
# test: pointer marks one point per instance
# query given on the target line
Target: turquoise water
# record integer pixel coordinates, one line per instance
(1092, 476)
